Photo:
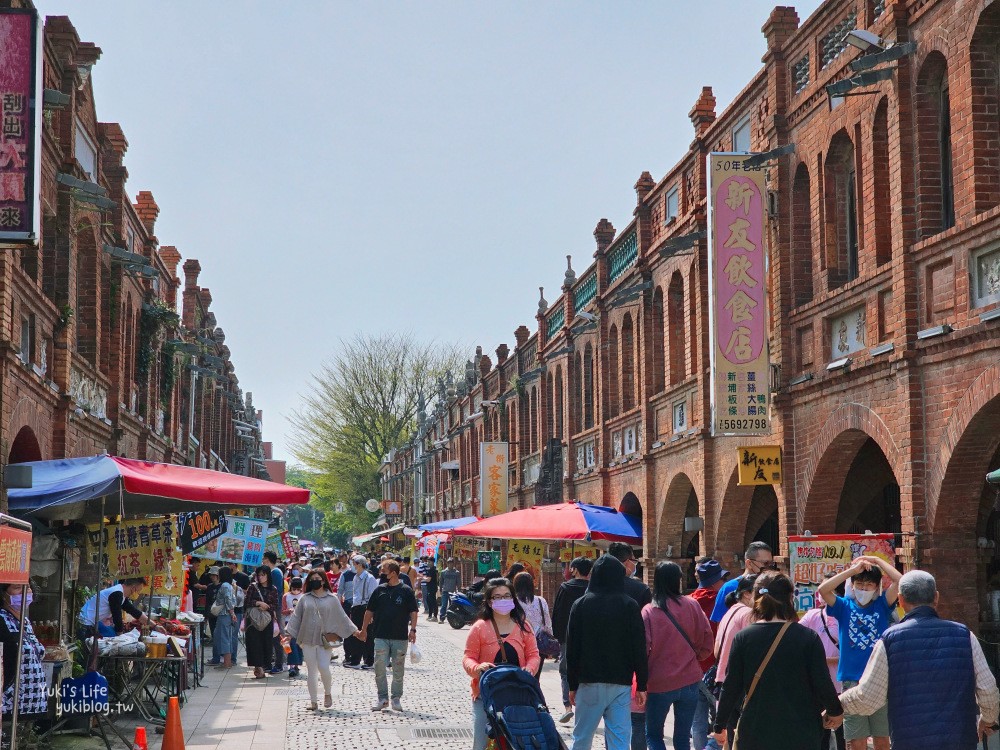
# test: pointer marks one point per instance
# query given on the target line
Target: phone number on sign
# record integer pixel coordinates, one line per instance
(727, 425)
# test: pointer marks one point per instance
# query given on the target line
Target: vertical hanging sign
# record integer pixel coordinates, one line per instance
(493, 479)
(738, 304)
(19, 125)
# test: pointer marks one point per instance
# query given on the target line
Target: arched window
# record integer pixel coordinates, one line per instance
(533, 425)
(588, 387)
(550, 411)
(675, 328)
(936, 185)
(842, 226)
(628, 364)
(801, 259)
(512, 434)
(577, 395)
(614, 373)
(984, 54)
(882, 176)
(693, 316)
(557, 404)
(474, 448)
(659, 365)
(88, 281)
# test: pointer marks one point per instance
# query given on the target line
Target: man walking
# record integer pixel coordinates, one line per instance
(710, 577)
(362, 588)
(430, 588)
(393, 606)
(633, 586)
(756, 560)
(451, 581)
(605, 650)
(566, 597)
(278, 581)
(932, 673)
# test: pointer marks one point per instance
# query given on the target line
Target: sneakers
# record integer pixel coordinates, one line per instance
(380, 706)
(396, 705)
(564, 719)
(275, 670)
(348, 665)
(368, 666)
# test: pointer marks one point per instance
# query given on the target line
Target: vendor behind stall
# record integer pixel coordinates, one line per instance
(33, 690)
(113, 601)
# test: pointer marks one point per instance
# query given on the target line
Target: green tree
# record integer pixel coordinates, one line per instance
(359, 406)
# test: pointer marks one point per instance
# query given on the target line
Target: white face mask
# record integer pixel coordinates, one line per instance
(863, 596)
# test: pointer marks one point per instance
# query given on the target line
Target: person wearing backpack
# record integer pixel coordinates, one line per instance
(678, 637)
(536, 609)
(777, 677)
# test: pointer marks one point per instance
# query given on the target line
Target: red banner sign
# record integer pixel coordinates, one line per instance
(18, 124)
(15, 555)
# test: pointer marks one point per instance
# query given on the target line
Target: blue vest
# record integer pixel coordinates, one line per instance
(932, 684)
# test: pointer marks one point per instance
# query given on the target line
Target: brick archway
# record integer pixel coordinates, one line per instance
(960, 465)
(670, 529)
(28, 414)
(731, 523)
(843, 434)
(25, 447)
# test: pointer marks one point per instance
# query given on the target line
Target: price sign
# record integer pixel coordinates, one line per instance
(197, 529)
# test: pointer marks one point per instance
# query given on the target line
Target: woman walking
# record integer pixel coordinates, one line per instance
(501, 635)
(317, 618)
(678, 636)
(777, 670)
(262, 596)
(224, 631)
(536, 609)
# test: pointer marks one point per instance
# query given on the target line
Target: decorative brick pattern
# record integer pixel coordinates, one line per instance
(800, 74)
(835, 41)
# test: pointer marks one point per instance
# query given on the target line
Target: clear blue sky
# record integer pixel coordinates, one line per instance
(345, 167)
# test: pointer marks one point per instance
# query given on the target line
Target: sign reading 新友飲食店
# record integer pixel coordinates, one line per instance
(738, 278)
(18, 125)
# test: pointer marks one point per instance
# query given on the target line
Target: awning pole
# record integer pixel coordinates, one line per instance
(20, 639)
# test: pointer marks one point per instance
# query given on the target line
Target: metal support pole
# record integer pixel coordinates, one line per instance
(11, 521)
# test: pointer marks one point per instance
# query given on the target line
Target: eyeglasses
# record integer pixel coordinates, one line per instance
(502, 597)
(771, 565)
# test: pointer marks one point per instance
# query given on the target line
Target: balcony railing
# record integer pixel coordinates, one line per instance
(623, 256)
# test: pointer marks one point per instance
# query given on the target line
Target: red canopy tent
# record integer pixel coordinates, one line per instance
(562, 522)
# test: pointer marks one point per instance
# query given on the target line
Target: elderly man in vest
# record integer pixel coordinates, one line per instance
(932, 673)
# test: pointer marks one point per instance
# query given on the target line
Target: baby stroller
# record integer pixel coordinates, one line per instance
(516, 710)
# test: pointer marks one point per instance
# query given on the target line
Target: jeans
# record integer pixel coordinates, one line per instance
(603, 700)
(445, 601)
(432, 601)
(384, 651)
(480, 725)
(638, 731)
(658, 705)
(700, 727)
(224, 637)
(295, 655)
(562, 675)
(279, 653)
(318, 666)
(423, 595)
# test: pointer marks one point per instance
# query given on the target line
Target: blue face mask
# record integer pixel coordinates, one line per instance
(16, 601)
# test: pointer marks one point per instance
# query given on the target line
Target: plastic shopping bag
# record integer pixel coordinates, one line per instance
(416, 655)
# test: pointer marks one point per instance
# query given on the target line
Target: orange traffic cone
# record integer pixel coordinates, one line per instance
(139, 743)
(173, 734)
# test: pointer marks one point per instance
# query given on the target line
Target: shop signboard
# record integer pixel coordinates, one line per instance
(759, 464)
(810, 558)
(198, 529)
(493, 479)
(144, 548)
(467, 547)
(528, 553)
(579, 549)
(20, 118)
(738, 297)
(15, 555)
(243, 542)
(487, 561)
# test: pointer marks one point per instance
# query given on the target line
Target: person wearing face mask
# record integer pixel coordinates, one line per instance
(106, 608)
(33, 700)
(501, 635)
(862, 621)
(633, 586)
(318, 619)
(392, 607)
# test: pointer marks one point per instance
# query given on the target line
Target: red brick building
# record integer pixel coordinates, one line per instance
(884, 230)
(101, 347)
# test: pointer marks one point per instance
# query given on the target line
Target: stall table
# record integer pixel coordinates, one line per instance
(141, 683)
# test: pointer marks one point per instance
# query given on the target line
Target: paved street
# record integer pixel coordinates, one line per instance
(232, 710)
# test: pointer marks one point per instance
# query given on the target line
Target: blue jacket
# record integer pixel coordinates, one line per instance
(932, 683)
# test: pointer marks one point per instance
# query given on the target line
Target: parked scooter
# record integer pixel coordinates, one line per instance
(463, 608)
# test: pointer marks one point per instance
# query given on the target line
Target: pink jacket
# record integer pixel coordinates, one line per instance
(482, 646)
(737, 618)
(673, 664)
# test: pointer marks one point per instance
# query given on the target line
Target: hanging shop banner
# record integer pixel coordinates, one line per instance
(759, 464)
(810, 558)
(15, 555)
(198, 529)
(738, 292)
(528, 553)
(243, 542)
(493, 479)
(145, 548)
(467, 547)
(19, 136)
(571, 552)
(280, 544)
(487, 561)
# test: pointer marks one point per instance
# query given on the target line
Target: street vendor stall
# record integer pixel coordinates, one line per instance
(561, 522)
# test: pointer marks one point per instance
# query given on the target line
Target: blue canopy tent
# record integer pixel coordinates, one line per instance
(448, 525)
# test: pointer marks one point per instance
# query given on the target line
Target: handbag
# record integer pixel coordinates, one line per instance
(756, 679)
(217, 607)
(257, 617)
(548, 646)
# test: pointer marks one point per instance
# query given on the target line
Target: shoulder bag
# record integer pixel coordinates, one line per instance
(217, 607)
(709, 696)
(548, 646)
(257, 617)
(756, 679)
